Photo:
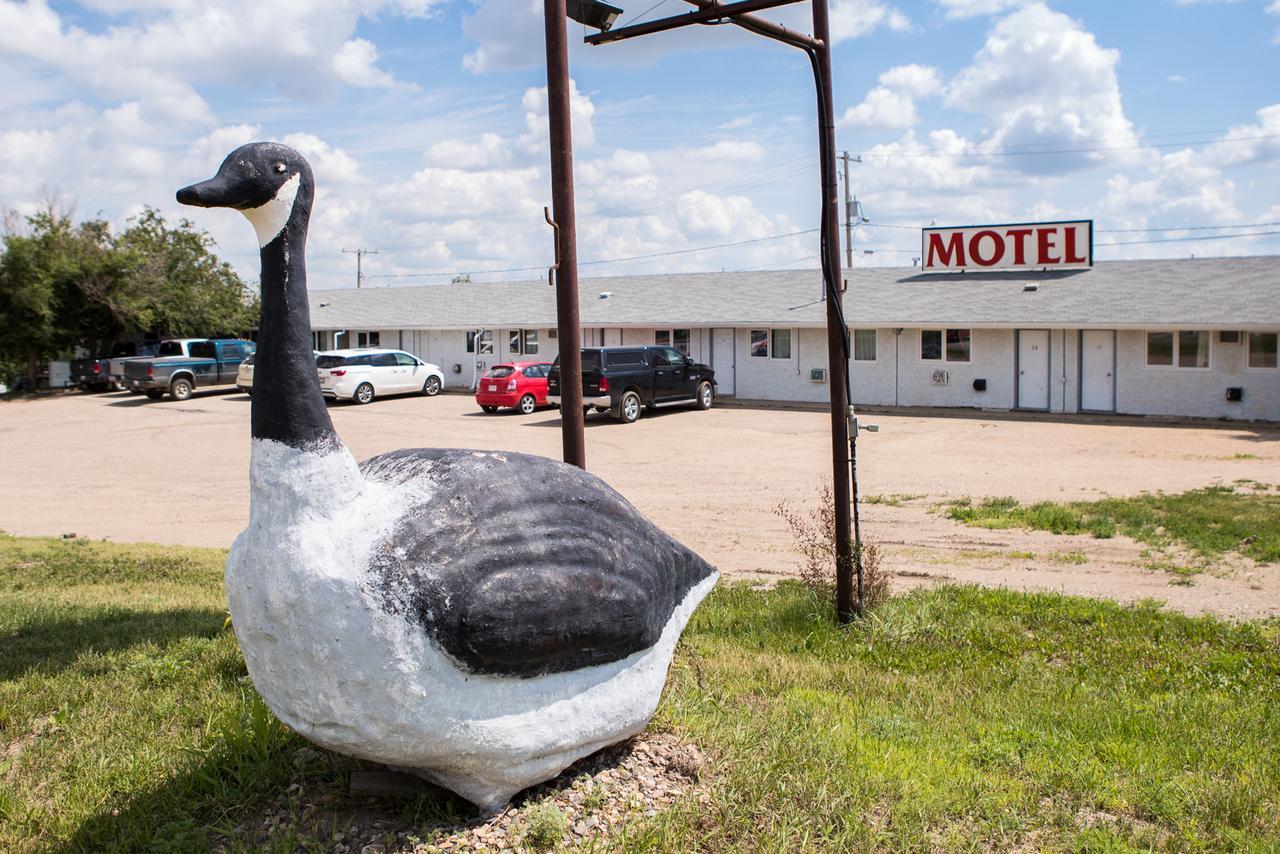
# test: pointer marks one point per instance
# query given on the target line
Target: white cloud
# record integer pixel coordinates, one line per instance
(1043, 78)
(891, 105)
(731, 150)
(851, 19)
(974, 8)
(488, 151)
(354, 63)
(1256, 143)
(537, 125)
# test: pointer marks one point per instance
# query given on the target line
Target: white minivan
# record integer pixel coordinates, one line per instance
(369, 372)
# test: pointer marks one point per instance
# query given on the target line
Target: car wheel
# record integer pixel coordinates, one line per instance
(364, 393)
(180, 389)
(629, 407)
(489, 409)
(706, 395)
(431, 387)
(154, 393)
(527, 404)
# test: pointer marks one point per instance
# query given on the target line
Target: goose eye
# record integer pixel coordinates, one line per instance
(280, 167)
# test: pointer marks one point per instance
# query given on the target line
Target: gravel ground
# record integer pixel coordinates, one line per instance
(592, 800)
(129, 469)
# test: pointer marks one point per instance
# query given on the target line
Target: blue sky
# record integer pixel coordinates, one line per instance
(425, 122)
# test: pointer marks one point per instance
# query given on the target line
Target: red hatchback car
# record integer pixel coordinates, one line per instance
(522, 385)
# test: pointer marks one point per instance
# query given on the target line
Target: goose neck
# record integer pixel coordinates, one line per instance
(288, 406)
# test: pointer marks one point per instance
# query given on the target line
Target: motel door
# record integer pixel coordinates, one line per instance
(1098, 370)
(722, 360)
(1033, 369)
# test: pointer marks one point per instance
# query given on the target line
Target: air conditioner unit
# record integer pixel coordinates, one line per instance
(818, 375)
(941, 377)
(552, 333)
(1229, 336)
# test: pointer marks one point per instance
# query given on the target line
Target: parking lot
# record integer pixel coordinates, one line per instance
(130, 469)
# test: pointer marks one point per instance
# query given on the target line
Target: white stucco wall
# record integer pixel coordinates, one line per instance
(1198, 393)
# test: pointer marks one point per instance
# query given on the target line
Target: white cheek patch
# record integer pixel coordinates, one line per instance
(269, 219)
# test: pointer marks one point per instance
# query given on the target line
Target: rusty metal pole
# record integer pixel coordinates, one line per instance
(836, 331)
(569, 329)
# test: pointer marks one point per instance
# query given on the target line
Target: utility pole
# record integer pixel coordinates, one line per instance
(849, 210)
(569, 330)
(360, 253)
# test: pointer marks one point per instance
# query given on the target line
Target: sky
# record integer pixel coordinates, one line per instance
(695, 150)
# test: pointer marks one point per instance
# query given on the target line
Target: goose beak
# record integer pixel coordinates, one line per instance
(217, 192)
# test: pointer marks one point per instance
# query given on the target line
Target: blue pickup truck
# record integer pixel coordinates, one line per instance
(208, 364)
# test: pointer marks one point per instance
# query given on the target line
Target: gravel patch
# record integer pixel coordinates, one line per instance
(588, 803)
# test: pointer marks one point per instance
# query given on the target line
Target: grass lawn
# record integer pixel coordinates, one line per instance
(956, 718)
(1209, 521)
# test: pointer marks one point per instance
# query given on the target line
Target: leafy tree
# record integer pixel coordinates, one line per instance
(188, 291)
(63, 285)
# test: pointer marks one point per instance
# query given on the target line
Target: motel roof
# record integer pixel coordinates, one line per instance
(1209, 293)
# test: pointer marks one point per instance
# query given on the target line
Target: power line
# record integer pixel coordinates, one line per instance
(1009, 152)
(1188, 239)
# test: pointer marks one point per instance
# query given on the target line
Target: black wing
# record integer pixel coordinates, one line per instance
(521, 565)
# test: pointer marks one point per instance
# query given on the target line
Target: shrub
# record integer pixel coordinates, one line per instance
(815, 536)
(545, 828)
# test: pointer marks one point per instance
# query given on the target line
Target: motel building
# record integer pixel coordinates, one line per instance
(1011, 317)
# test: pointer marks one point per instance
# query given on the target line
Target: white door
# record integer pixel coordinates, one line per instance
(1033, 369)
(1098, 370)
(722, 360)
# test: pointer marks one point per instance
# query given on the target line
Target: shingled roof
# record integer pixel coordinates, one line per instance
(1204, 293)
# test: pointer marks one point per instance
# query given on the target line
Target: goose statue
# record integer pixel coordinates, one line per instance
(481, 619)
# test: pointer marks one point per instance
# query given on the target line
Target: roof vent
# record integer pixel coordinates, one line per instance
(606, 294)
(1031, 286)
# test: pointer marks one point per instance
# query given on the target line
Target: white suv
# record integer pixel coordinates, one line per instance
(369, 372)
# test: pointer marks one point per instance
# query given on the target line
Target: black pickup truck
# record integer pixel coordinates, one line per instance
(622, 380)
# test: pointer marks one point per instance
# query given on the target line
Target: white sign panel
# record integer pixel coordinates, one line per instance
(1019, 246)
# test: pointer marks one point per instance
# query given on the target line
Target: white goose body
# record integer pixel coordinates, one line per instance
(386, 611)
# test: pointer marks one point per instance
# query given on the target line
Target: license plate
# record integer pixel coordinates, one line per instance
(492, 387)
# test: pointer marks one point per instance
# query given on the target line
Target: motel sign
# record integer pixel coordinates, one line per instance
(1027, 245)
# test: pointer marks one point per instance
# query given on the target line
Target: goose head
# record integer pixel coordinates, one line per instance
(269, 183)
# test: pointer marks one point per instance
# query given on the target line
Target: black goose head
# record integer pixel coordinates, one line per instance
(271, 184)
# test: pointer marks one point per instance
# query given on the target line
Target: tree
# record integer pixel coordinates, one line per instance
(63, 285)
(188, 290)
(39, 287)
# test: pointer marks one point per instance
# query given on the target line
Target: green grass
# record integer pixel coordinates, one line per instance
(954, 718)
(896, 499)
(1209, 522)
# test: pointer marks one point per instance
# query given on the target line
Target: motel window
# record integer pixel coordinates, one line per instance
(1262, 349)
(951, 345)
(1178, 349)
(759, 343)
(368, 339)
(864, 345)
(678, 338)
(523, 341)
(780, 346)
(484, 346)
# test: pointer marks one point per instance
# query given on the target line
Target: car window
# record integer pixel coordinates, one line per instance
(590, 360)
(674, 356)
(383, 360)
(535, 371)
(625, 359)
(358, 361)
(330, 361)
(169, 348)
(404, 360)
(498, 372)
(202, 350)
(248, 360)
(228, 351)
(661, 359)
